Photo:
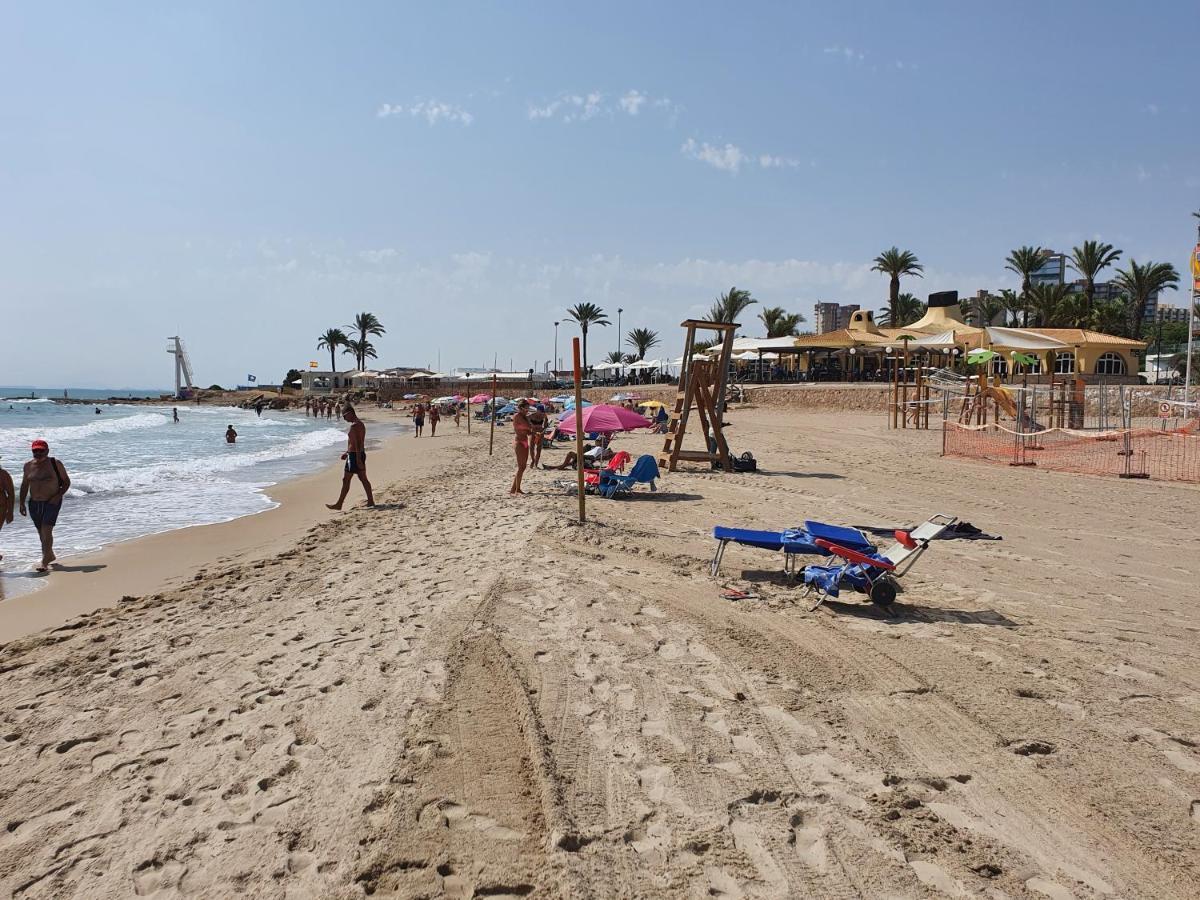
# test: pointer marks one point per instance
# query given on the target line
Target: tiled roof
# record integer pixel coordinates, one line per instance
(1087, 336)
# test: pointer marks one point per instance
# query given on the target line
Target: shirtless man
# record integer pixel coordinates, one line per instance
(355, 457)
(8, 500)
(44, 485)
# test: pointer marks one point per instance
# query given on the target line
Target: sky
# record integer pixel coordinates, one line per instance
(247, 175)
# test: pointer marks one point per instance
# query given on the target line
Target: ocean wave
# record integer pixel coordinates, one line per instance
(51, 434)
(224, 459)
(25, 400)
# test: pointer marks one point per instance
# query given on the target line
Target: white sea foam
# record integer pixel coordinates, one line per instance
(112, 425)
(223, 459)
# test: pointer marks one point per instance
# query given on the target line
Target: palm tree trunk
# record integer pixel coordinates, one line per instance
(893, 299)
(1089, 289)
(332, 360)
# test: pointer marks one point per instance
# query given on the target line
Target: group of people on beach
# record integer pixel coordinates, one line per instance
(323, 407)
(44, 484)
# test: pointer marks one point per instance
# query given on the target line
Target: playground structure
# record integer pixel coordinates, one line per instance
(701, 384)
(1067, 427)
(183, 367)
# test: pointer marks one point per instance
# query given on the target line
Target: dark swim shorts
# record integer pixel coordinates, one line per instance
(352, 465)
(43, 512)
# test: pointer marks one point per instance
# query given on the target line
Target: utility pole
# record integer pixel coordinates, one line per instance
(554, 361)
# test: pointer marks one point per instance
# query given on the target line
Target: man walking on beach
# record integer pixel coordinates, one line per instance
(8, 499)
(355, 457)
(45, 484)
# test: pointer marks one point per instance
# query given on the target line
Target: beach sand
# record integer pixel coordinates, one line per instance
(465, 694)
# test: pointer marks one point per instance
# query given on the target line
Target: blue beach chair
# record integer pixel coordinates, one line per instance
(644, 471)
(793, 542)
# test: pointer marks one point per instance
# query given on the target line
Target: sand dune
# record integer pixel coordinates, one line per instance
(462, 694)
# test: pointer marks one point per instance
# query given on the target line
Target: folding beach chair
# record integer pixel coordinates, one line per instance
(644, 471)
(873, 573)
(792, 541)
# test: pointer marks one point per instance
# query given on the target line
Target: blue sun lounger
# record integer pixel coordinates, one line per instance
(793, 542)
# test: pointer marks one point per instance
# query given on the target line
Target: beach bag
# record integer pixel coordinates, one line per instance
(745, 463)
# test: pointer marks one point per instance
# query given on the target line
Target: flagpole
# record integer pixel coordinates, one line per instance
(1187, 378)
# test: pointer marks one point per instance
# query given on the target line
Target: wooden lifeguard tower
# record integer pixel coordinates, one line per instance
(702, 384)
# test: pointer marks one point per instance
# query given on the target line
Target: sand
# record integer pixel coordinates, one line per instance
(470, 695)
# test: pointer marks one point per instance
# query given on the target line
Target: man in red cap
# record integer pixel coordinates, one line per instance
(45, 484)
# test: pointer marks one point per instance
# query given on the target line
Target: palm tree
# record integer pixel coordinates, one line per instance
(1024, 261)
(966, 309)
(779, 322)
(362, 350)
(365, 324)
(1111, 316)
(1047, 303)
(907, 310)
(331, 340)
(895, 263)
(728, 306)
(614, 356)
(642, 339)
(586, 315)
(1089, 260)
(1011, 305)
(1074, 311)
(1143, 282)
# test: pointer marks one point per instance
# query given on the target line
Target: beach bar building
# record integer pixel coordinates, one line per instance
(863, 349)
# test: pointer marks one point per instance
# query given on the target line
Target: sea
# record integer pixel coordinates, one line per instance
(135, 472)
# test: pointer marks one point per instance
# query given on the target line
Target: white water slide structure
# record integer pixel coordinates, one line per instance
(183, 365)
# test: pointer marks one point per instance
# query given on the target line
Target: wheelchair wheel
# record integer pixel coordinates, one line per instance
(883, 594)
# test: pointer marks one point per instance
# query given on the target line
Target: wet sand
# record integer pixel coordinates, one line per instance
(465, 694)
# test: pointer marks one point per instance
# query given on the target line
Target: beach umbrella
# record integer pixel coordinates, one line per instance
(481, 398)
(980, 356)
(570, 404)
(605, 419)
(561, 398)
(650, 404)
(410, 397)
(507, 410)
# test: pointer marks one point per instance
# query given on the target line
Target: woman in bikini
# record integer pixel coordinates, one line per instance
(522, 430)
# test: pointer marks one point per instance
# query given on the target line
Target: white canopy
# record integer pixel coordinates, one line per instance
(1021, 339)
(743, 343)
(644, 364)
(366, 375)
(941, 341)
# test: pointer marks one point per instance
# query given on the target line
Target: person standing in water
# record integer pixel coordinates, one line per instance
(8, 499)
(355, 457)
(175, 414)
(521, 430)
(230, 435)
(45, 484)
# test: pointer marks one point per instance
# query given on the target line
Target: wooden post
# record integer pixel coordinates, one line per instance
(492, 432)
(904, 389)
(468, 412)
(579, 430)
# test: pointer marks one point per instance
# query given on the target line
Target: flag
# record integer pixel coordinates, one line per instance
(313, 364)
(251, 378)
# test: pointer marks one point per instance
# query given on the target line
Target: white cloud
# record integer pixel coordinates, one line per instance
(767, 161)
(570, 107)
(432, 111)
(377, 257)
(632, 102)
(849, 54)
(728, 158)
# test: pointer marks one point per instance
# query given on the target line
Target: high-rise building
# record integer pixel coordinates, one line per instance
(1164, 312)
(832, 316)
(1053, 269)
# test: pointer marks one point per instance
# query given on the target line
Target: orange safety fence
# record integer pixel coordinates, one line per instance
(1150, 452)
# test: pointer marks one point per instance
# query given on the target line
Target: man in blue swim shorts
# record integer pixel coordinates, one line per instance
(45, 484)
(355, 457)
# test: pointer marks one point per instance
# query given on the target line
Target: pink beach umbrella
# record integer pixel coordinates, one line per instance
(481, 398)
(605, 419)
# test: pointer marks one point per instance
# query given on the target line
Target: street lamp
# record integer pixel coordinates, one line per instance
(619, 311)
(554, 363)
